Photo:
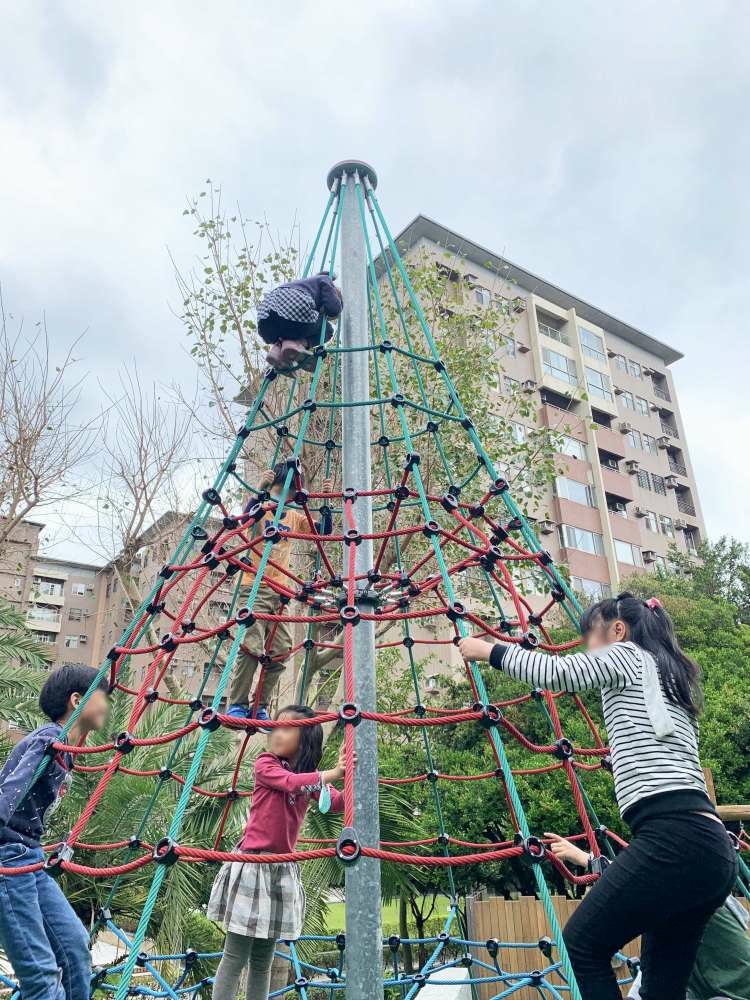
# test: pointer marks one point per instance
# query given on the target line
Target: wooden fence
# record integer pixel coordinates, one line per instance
(521, 920)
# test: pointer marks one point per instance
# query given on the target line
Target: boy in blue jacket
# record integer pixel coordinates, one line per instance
(42, 937)
(291, 317)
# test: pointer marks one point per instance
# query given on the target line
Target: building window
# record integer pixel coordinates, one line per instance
(691, 541)
(618, 507)
(641, 405)
(634, 369)
(652, 523)
(634, 438)
(558, 366)
(431, 683)
(78, 589)
(554, 333)
(579, 538)
(628, 553)
(593, 589)
(18, 583)
(49, 588)
(569, 489)
(667, 527)
(518, 432)
(644, 480)
(509, 384)
(572, 447)
(482, 296)
(626, 398)
(114, 584)
(45, 638)
(650, 445)
(598, 384)
(658, 484)
(510, 347)
(75, 614)
(621, 362)
(592, 345)
(71, 642)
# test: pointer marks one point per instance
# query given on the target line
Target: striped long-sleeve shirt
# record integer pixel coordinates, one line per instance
(653, 742)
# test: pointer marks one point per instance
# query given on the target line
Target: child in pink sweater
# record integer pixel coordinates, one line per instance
(261, 903)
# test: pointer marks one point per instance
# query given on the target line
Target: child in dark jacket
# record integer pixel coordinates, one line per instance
(291, 316)
(42, 937)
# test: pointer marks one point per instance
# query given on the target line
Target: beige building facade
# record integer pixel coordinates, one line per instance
(626, 490)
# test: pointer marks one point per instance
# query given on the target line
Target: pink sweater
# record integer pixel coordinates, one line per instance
(279, 803)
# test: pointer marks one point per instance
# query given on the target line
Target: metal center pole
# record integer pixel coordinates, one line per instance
(364, 954)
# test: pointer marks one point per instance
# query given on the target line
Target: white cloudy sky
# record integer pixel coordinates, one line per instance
(604, 146)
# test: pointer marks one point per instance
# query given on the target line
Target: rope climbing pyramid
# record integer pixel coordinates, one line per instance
(377, 407)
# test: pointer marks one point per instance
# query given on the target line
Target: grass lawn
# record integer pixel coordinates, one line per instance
(336, 918)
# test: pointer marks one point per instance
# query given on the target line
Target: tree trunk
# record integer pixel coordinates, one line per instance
(403, 930)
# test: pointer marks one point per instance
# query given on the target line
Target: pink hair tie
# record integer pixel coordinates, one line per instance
(654, 603)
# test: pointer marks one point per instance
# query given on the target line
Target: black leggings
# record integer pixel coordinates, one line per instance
(676, 872)
(276, 327)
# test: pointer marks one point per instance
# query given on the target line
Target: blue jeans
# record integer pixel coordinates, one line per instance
(42, 937)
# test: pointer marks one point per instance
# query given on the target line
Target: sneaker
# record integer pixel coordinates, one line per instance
(275, 358)
(260, 714)
(293, 352)
(239, 712)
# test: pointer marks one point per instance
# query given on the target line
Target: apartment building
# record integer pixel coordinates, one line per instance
(625, 490)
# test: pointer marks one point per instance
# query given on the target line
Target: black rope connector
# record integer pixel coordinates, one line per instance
(265, 660)
(245, 617)
(208, 719)
(455, 611)
(607, 763)
(564, 749)
(232, 568)
(350, 615)
(282, 431)
(493, 947)
(349, 494)
(165, 774)
(301, 983)
(515, 524)
(54, 861)
(432, 427)
(535, 619)
(505, 626)
(383, 441)
(394, 942)
(545, 944)
(420, 711)
(270, 374)
(500, 485)
(340, 941)
(198, 533)
(537, 694)
(489, 558)
(243, 432)
(432, 776)
(272, 533)
(196, 705)
(397, 399)
(372, 577)
(467, 423)
(232, 794)
(529, 641)
(166, 572)
(309, 405)
(557, 594)
(533, 849)
(402, 492)
(352, 537)
(165, 852)
(168, 642)
(301, 497)
(230, 523)
(439, 365)
(350, 714)
(190, 958)
(188, 627)
(443, 839)
(308, 644)
(151, 696)
(499, 534)
(448, 502)
(211, 560)
(419, 979)
(348, 849)
(544, 557)
(412, 458)
(141, 958)
(385, 346)
(407, 642)
(211, 496)
(124, 742)
(536, 977)
(330, 445)
(476, 510)
(254, 514)
(104, 913)
(155, 608)
(491, 714)
(431, 529)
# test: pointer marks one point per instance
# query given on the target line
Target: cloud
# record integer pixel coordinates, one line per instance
(601, 146)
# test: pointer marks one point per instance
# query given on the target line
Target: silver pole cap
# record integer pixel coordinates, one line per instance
(350, 167)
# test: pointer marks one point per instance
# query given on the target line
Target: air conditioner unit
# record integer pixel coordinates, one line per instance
(625, 427)
(546, 526)
(83, 639)
(649, 556)
(529, 385)
(663, 441)
(518, 304)
(632, 465)
(672, 482)
(618, 391)
(654, 407)
(640, 511)
(611, 353)
(681, 525)
(522, 348)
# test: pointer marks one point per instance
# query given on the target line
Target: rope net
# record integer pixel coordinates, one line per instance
(451, 547)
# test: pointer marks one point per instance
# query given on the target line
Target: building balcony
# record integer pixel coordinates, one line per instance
(617, 484)
(46, 620)
(669, 429)
(610, 441)
(685, 504)
(661, 393)
(676, 466)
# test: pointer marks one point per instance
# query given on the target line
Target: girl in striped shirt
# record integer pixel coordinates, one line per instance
(680, 865)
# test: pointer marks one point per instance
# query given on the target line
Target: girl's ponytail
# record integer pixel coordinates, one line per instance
(651, 628)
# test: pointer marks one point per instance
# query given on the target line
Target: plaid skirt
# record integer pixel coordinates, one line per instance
(259, 900)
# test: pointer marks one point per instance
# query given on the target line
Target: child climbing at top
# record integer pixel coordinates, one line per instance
(291, 317)
(269, 641)
(40, 933)
(722, 965)
(680, 865)
(260, 903)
